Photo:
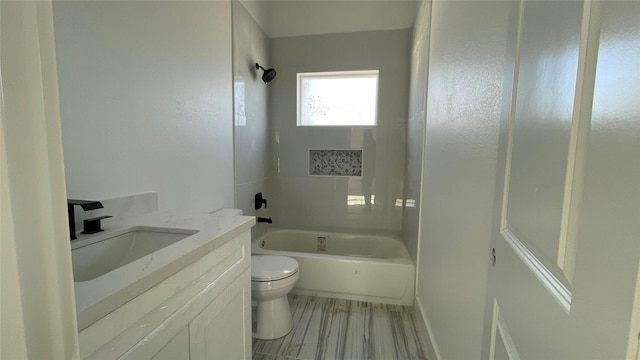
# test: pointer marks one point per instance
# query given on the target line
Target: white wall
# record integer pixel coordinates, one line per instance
(313, 17)
(146, 100)
(464, 96)
(250, 45)
(320, 203)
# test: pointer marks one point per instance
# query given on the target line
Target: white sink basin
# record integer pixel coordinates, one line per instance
(117, 249)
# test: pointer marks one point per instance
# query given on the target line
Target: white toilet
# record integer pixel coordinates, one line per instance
(272, 278)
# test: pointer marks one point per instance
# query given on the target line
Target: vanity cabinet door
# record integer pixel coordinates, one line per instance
(176, 349)
(223, 329)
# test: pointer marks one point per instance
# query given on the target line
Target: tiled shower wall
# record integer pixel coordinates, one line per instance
(416, 129)
(250, 45)
(371, 203)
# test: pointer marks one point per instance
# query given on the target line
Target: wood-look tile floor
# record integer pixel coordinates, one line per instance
(343, 329)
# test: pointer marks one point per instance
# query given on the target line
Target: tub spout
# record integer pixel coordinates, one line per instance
(265, 220)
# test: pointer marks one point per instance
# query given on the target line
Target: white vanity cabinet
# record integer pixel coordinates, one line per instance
(177, 348)
(218, 332)
(200, 312)
(223, 328)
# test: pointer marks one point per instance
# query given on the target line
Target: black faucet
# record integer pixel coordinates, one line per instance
(265, 220)
(86, 206)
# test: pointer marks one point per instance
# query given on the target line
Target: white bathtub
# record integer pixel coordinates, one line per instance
(346, 266)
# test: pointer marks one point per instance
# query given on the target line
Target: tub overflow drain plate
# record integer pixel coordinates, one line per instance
(322, 243)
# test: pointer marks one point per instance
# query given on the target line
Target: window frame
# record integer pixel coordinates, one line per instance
(336, 75)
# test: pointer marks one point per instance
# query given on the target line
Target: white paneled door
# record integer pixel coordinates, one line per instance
(566, 235)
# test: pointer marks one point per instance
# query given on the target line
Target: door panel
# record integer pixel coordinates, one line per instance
(567, 235)
(501, 351)
(502, 346)
(541, 127)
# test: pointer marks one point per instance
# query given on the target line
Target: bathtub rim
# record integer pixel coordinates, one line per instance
(406, 259)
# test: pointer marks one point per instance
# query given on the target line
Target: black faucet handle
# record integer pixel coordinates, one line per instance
(259, 201)
(92, 226)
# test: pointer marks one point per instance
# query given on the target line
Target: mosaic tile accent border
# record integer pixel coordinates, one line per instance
(325, 162)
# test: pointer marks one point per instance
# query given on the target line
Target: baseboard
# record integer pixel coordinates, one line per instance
(426, 332)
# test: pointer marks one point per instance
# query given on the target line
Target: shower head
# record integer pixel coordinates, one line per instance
(268, 75)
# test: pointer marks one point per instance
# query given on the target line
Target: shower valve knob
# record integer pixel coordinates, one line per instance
(259, 201)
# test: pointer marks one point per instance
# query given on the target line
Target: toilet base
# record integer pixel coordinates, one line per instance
(273, 319)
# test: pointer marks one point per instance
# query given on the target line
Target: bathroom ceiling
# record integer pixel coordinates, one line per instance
(281, 18)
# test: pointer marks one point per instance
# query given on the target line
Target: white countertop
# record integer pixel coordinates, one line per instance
(98, 297)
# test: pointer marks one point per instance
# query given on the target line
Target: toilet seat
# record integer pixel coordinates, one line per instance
(272, 267)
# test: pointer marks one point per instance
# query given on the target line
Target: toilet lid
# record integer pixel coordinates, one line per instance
(272, 267)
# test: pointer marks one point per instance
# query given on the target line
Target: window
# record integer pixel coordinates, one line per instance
(344, 98)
